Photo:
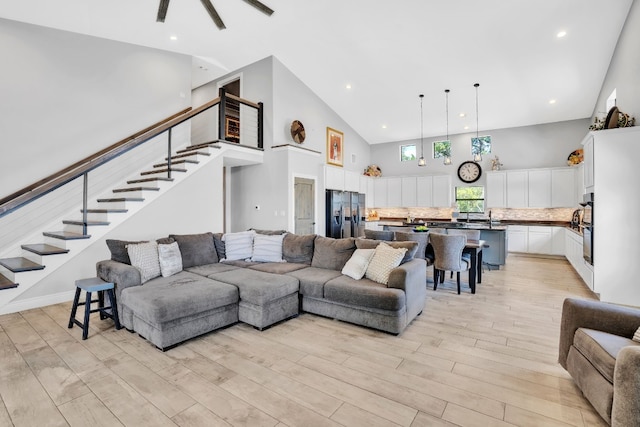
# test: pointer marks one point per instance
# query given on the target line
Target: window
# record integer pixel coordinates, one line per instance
(470, 199)
(481, 145)
(408, 152)
(441, 149)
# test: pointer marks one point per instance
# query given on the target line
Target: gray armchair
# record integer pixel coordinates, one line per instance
(597, 350)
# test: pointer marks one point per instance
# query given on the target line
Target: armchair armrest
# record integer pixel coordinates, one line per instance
(626, 388)
(610, 318)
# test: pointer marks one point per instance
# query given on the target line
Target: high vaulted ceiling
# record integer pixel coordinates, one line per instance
(388, 52)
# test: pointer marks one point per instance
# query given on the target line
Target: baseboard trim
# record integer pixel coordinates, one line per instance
(37, 302)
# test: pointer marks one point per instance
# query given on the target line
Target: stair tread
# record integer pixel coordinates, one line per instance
(6, 283)
(44, 249)
(20, 264)
(80, 222)
(121, 199)
(106, 210)
(66, 235)
(177, 162)
(198, 146)
(162, 170)
(125, 190)
(189, 153)
(157, 178)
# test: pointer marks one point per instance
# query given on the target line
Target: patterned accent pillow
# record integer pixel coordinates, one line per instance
(267, 248)
(358, 263)
(238, 246)
(636, 336)
(144, 257)
(170, 259)
(384, 260)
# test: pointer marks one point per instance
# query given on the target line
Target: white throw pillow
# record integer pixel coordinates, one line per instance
(238, 245)
(144, 257)
(170, 259)
(636, 336)
(267, 248)
(384, 260)
(358, 263)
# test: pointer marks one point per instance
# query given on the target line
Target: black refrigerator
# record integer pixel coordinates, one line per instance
(345, 214)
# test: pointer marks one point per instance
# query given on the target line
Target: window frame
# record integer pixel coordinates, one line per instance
(444, 153)
(482, 199)
(402, 154)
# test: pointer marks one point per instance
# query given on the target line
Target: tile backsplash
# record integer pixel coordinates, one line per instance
(530, 214)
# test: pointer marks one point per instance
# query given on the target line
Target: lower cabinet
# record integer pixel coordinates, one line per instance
(518, 238)
(496, 253)
(573, 253)
(535, 239)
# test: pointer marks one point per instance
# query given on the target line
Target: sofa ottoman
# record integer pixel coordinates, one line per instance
(265, 298)
(172, 309)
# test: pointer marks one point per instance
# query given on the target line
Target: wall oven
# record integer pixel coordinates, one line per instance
(587, 228)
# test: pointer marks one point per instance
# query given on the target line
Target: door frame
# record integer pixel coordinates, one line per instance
(292, 200)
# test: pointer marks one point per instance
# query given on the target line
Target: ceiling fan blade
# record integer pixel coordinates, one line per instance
(260, 6)
(162, 10)
(213, 14)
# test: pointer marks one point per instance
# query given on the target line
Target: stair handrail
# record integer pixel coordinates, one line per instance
(82, 167)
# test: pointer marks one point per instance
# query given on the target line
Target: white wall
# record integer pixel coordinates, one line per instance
(66, 96)
(546, 145)
(624, 70)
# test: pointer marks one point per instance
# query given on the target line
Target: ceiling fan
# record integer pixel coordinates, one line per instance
(164, 5)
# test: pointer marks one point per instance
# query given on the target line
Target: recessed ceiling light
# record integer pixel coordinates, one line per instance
(561, 34)
(384, 126)
(348, 86)
(173, 37)
(552, 101)
(462, 115)
(466, 127)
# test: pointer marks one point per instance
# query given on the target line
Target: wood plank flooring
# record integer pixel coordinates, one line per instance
(487, 359)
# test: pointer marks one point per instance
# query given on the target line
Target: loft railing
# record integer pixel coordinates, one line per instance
(226, 130)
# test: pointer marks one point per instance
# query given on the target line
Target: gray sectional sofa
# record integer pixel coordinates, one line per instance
(208, 294)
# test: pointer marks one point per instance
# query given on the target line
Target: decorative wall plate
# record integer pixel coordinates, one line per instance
(297, 131)
(576, 157)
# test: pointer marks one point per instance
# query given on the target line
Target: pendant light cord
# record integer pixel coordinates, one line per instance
(477, 129)
(421, 128)
(447, 97)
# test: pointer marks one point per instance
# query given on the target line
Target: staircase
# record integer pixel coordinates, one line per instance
(37, 260)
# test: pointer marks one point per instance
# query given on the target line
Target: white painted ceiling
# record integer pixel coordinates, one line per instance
(388, 51)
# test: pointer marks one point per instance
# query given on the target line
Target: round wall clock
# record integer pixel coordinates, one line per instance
(297, 131)
(469, 171)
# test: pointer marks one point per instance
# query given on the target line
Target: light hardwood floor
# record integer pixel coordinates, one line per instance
(471, 360)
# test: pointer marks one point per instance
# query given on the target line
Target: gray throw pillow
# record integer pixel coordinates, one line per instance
(118, 248)
(221, 247)
(196, 249)
(411, 247)
(331, 253)
(269, 232)
(298, 248)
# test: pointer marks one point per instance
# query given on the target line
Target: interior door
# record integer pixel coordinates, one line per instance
(305, 210)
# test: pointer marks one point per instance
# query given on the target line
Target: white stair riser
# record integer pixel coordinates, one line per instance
(64, 244)
(115, 205)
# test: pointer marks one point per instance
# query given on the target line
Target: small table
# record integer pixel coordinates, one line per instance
(474, 248)
(94, 284)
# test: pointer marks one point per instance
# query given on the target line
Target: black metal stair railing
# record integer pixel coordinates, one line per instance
(81, 168)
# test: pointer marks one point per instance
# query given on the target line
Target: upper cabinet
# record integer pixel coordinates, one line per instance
(380, 192)
(534, 188)
(441, 191)
(394, 192)
(409, 191)
(351, 181)
(424, 191)
(588, 164)
(333, 178)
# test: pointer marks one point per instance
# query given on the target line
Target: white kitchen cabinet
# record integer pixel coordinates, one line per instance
(333, 178)
(563, 188)
(517, 238)
(409, 191)
(539, 188)
(351, 181)
(557, 240)
(363, 183)
(579, 177)
(589, 176)
(539, 239)
(394, 192)
(496, 191)
(380, 192)
(573, 253)
(442, 191)
(370, 200)
(517, 189)
(424, 191)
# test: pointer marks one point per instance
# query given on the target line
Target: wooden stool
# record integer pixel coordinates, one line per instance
(98, 285)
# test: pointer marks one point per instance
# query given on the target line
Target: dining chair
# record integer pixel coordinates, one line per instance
(448, 251)
(471, 235)
(379, 235)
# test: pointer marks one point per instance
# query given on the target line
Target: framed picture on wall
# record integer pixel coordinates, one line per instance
(335, 147)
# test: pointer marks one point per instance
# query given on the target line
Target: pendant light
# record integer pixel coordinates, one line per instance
(477, 157)
(447, 157)
(421, 160)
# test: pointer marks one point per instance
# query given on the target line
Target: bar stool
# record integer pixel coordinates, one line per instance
(91, 285)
